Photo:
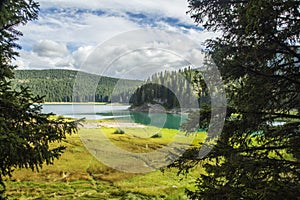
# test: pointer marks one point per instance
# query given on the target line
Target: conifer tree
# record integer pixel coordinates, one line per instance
(257, 155)
(26, 134)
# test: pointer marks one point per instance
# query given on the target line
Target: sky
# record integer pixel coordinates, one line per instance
(125, 39)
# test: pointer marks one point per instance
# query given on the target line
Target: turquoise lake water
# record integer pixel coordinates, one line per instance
(116, 112)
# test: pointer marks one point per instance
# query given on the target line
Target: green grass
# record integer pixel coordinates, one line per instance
(79, 175)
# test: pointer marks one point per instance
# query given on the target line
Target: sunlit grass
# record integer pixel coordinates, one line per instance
(79, 175)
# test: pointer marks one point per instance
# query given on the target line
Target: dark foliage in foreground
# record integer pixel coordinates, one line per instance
(258, 56)
(26, 135)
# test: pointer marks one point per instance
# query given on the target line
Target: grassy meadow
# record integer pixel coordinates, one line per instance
(79, 175)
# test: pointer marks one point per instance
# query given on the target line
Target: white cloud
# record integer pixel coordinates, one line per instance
(49, 48)
(31, 60)
(143, 52)
(174, 8)
(68, 31)
(81, 54)
(87, 29)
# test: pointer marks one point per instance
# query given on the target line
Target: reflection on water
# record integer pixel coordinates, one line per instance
(120, 113)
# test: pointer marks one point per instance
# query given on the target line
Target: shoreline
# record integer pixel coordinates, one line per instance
(111, 124)
(157, 108)
(83, 103)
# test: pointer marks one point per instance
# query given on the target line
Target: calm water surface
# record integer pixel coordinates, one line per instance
(117, 112)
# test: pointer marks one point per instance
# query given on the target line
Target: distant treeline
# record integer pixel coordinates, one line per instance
(173, 89)
(176, 89)
(58, 85)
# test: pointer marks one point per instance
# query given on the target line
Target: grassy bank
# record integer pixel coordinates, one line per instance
(79, 175)
(79, 103)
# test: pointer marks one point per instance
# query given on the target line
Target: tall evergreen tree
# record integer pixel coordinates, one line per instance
(26, 134)
(258, 55)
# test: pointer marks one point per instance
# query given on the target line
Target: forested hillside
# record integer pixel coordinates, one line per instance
(57, 86)
(172, 88)
(166, 88)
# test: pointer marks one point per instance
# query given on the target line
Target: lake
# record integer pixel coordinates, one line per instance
(116, 112)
